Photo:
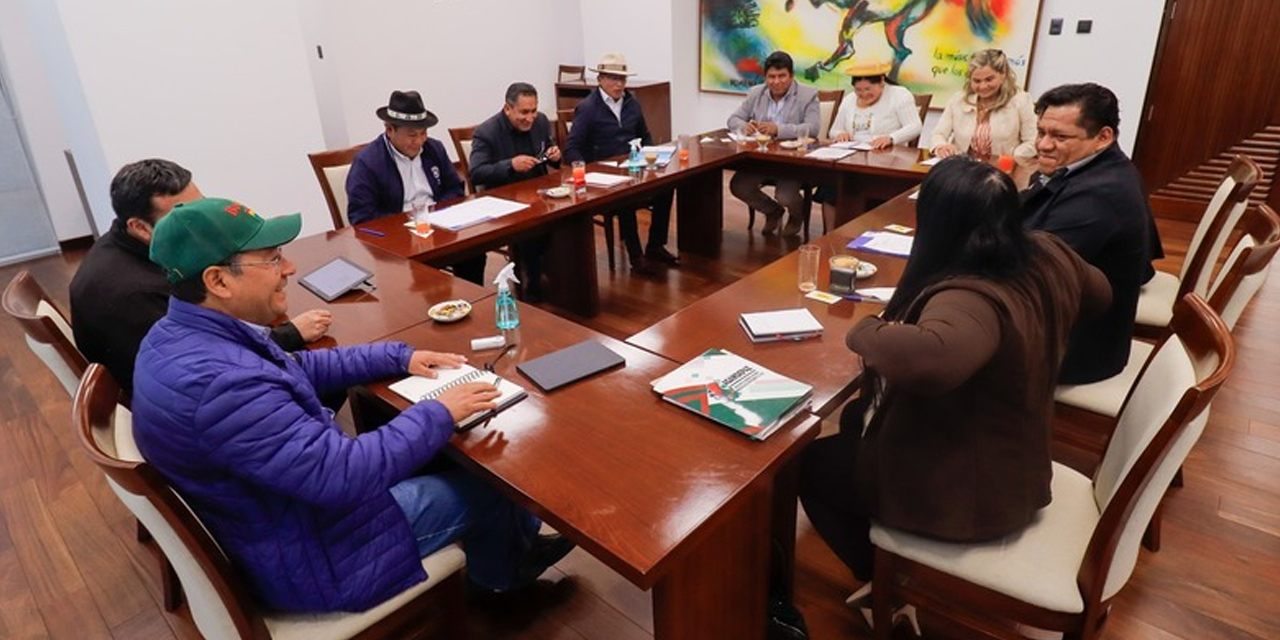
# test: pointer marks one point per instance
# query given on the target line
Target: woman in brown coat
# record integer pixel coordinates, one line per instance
(950, 436)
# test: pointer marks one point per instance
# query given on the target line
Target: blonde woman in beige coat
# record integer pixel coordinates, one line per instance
(991, 117)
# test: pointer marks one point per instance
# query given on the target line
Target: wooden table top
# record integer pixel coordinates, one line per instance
(823, 362)
(635, 481)
(405, 289)
(444, 246)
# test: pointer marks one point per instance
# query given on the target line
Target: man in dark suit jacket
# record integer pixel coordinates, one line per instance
(603, 125)
(516, 144)
(1088, 193)
(403, 165)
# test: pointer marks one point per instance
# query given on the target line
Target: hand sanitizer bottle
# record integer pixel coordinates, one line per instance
(506, 314)
(634, 161)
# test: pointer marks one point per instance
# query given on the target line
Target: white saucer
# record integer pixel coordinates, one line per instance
(790, 144)
(864, 270)
(561, 191)
(449, 310)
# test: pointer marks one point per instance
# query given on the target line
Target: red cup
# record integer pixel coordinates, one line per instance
(1005, 163)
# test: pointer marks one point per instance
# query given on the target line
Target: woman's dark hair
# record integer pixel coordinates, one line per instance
(878, 78)
(968, 222)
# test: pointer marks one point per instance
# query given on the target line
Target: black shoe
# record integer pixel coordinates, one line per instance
(645, 268)
(771, 223)
(660, 255)
(546, 551)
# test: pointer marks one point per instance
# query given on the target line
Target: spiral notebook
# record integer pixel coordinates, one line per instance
(418, 388)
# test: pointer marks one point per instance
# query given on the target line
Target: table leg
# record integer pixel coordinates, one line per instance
(719, 589)
(570, 265)
(700, 214)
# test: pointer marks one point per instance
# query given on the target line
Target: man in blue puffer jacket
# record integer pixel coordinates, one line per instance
(317, 520)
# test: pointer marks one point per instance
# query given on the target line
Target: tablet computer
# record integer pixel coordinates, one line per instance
(335, 278)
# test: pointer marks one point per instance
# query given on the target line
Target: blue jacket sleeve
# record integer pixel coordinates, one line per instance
(575, 149)
(362, 188)
(336, 369)
(256, 428)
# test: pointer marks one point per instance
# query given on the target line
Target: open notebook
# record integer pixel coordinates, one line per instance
(418, 388)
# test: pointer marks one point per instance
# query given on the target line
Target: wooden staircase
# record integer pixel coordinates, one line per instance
(1186, 197)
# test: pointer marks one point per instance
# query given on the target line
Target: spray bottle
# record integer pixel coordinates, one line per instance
(634, 161)
(506, 314)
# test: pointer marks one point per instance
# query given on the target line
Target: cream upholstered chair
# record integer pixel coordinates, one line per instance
(1155, 301)
(922, 105)
(461, 137)
(571, 73)
(220, 604)
(1061, 572)
(331, 169)
(46, 328)
(1239, 279)
(828, 105)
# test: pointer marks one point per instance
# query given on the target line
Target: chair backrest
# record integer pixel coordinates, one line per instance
(462, 145)
(46, 328)
(218, 597)
(564, 122)
(828, 104)
(922, 104)
(1246, 269)
(1220, 217)
(1164, 416)
(569, 73)
(331, 169)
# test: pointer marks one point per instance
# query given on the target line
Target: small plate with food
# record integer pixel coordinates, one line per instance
(864, 270)
(791, 144)
(449, 310)
(561, 191)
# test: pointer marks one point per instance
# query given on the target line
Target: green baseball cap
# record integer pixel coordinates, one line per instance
(199, 234)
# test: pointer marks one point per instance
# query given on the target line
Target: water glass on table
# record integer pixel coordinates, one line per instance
(808, 268)
(579, 176)
(420, 216)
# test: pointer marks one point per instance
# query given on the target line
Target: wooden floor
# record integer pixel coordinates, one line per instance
(70, 568)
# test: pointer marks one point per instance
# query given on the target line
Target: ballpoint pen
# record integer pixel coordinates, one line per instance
(372, 232)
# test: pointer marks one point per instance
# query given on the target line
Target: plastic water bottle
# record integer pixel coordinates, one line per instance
(506, 315)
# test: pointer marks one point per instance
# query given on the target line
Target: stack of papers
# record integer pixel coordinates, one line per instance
(892, 244)
(606, 180)
(829, 153)
(855, 146)
(473, 212)
(787, 324)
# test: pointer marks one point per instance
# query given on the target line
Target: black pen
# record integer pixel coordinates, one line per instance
(372, 232)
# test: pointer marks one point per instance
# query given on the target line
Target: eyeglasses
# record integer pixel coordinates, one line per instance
(274, 262)
(488, 366)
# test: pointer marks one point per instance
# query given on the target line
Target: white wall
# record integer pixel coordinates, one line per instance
(220, 86)
(1118, 54)
(641, 31)
(33, 96)
(460, 55)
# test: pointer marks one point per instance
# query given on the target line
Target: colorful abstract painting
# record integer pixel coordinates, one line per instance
(927, 41)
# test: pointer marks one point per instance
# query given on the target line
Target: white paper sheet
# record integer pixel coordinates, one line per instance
(931, 161)
(606, 180)
(855, 146)
(828, 153)
(472, 212)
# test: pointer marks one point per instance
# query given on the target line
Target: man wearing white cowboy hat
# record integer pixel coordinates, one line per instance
(402, 166)
(603, 125)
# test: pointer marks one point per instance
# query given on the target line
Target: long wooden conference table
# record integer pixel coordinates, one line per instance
(669, 500)
(570, 261)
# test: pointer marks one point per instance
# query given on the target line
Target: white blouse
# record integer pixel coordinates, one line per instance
(895, 115)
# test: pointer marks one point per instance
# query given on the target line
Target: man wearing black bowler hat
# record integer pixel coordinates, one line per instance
(403, 165)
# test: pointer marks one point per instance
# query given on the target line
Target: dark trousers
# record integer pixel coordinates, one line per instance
(659, 226)
(828, 494)
(471, 269)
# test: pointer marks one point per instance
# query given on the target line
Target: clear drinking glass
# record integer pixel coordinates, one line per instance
(420, 215)
(808, 268)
